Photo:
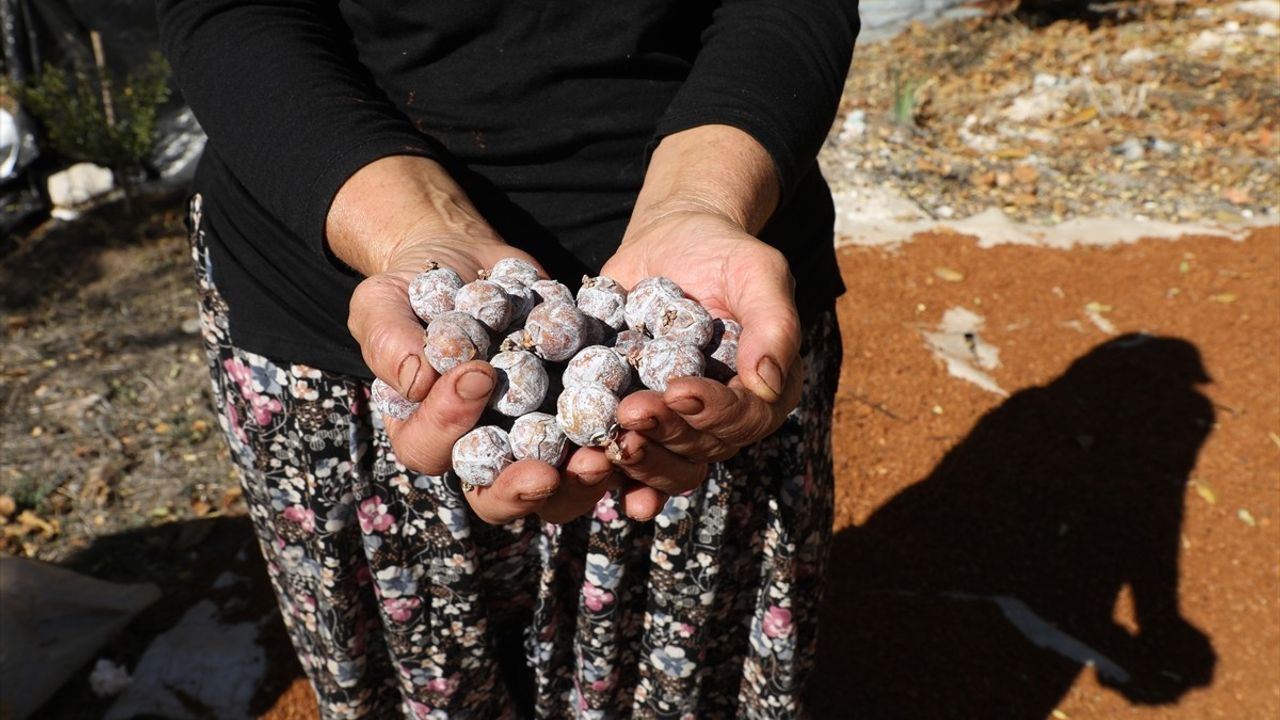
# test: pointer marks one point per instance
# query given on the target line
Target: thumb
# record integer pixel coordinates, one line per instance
(770, 341)
(390, 334)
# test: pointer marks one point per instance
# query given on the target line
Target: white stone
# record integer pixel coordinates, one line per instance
(1206, 42)
(1138, 56)
(79, 184)
(1269, 9)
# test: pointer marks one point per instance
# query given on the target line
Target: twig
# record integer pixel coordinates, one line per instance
(876, 406)
(104, 81)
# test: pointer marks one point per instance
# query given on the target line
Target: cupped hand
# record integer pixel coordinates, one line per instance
(669, 438)
(391, 336)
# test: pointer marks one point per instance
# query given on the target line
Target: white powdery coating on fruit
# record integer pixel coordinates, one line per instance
(644, 295)
(431, 293)
(604, 299)
(389, 403)
(481, 455)
(522, 300)
(598, 365)
(629, 342)
(549, 291)
(722, 351)
(556, 330)
(513, 271)
(663, 360)
(454, 338)
(485, 301)
(521, 384)
(683, 320)
(537, 436)
(588, 414)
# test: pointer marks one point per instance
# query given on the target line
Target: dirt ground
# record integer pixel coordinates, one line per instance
(1125, 490)
(1110, 498)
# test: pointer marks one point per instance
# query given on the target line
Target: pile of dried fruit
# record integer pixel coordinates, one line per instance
(576, 357)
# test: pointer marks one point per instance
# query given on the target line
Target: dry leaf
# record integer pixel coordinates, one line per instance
(7, 506)
(948, 274)
(1223, 298)
(1205, 492)
(1246, 517)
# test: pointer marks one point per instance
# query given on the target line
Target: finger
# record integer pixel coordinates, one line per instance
(521, 489)
(770, 342)
(574, 499)
(589, 466)
(643, 460)
(641, 502)
(731, 413)
(648, 413)
(425, 441)
(390, 335)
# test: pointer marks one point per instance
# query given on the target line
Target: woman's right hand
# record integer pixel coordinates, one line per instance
(441, 227)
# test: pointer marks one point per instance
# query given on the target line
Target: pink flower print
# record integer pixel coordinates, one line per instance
(420, 711)
(686, 630)
(596, 598)
(373, 515)
(605, 510)
(400, 609)
(304, 517)
(777, 622)
(445, 687)
(262, 406)
(233, 419)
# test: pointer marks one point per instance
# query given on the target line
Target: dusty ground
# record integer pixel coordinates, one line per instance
(1124, 501)
(1125, 489)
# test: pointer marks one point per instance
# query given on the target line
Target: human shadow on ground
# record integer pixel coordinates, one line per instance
(1059, 501)
(191, 561)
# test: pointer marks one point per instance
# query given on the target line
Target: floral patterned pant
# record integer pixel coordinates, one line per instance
(401, 603)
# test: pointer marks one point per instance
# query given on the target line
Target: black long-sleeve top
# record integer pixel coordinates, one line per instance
(544, 112)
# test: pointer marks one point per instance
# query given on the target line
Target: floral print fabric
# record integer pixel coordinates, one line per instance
(401, 602)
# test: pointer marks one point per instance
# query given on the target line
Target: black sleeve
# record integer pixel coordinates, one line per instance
(774, 69)
(278, 90)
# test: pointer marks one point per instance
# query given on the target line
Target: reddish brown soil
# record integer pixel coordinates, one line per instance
(1086, 494)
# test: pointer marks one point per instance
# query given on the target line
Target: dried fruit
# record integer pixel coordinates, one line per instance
(722, 351)
(454, 338)
(389, 403)
(522, 301)
(552, 291)
(521, 383)
(588, 414)
(485, 301)
(662, 360)
(598, 365)
(555, 330)
(513, 271)
(644, 295)
(431, 293)
(481, 455)
(537, 436)
(604, 299)
(683, 320)
(628, 343)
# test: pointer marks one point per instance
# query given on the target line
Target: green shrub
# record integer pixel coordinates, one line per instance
(81, 126)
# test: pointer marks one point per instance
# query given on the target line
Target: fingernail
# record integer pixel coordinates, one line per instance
(408, 373)
(592, 478)
(475, 385)
(687, 405)
(540, 495)
(771, 374)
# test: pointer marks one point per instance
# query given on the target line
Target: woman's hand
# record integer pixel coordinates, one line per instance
(433, 222)
(670, 437)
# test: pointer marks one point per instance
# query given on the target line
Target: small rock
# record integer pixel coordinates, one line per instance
(945, 212)
(1269, 9)
(1206, 42)
(1026, 174)
(1131, 149)
(1138, 56)
(79, 184)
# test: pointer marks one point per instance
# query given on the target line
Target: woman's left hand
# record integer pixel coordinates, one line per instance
(669, 438)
